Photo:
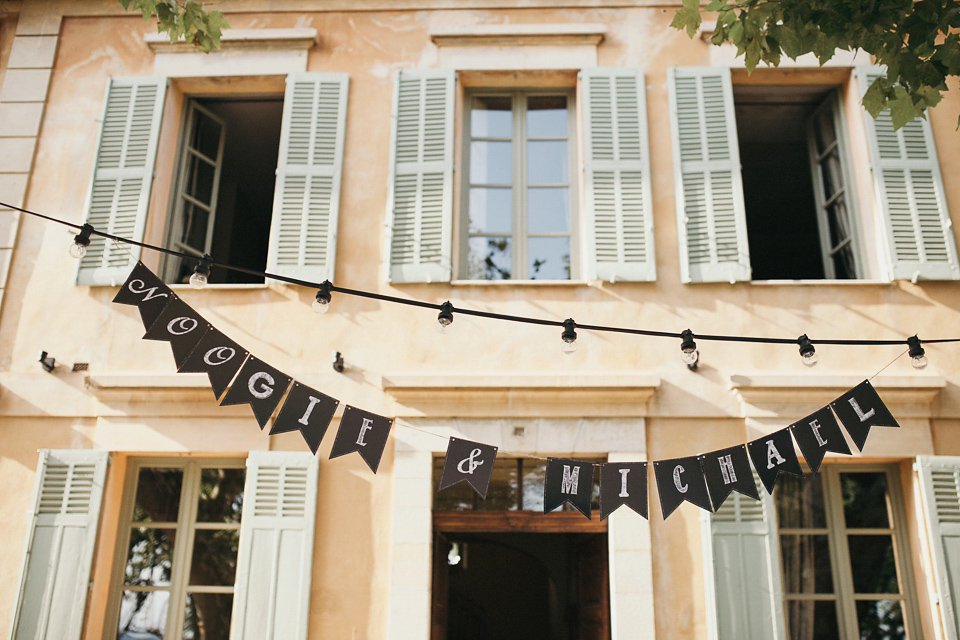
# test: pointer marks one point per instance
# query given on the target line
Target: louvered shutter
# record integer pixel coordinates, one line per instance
(940, 492)
(909, 188)
(275, 559)
(55, 575)
(420, 193)
(711, 218)
(617, 175)
(742, 562)
(306, 201)
(122, 176)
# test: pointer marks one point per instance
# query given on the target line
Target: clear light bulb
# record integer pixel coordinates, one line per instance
(568, 346)
(919, 362)
(198, 280)
(78, 250)
(810, 359)
(320, 305)
(690, 357)
(444, 326)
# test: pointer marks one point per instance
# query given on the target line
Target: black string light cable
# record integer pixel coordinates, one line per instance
(447, 309)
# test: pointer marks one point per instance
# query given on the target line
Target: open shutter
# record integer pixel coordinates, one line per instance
(617, 174)
(909, 188)
(55, 576)
(306, 201)
(940, 492)
(122, 176)
(711, 218)
(275, 560)
(742, 563)
(420, 193)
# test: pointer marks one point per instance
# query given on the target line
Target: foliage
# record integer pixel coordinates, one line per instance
(915, 39)
(183, 19)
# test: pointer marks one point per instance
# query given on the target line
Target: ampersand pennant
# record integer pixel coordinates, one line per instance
(144, 290)
(470, 462)
(818, 433)
(623, 483)
(681, 479)
(861, 408)
(308, 411)
(217, 356)
(259, 385)
(179, 325)
(726, 471)
(772, 454)
(363, 432)
(568, 481)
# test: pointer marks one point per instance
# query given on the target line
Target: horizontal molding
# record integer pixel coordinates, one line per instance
(295, 39)
(518, 34)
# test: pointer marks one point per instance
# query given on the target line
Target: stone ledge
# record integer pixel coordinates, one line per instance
(295, 39)
(518, 34)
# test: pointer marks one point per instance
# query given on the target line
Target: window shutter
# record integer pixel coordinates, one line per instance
(940, 492)
(306, 201)
(55, 575)
(742, 562)
(275, 559)
(909, 188)
(711, 218)
(420, 193)
(617, 174)
(122, 175)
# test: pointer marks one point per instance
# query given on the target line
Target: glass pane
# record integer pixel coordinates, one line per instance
(490, 117)
(812, 619)
(548, 210)
(546, 116)
(800, 502)
(150, 556)
(831, 172)
(206, 135)
(873, 564)
(534, 476)
(143, 615)
(880, 620)
(488, 258)
(502, 492)
(158, 495)
(806, 564)
(221, 495)
(207, 616)
(200, 179)
(865, 500)
(823, 130)
(214, 561)
(194, 232)
(490, 162)
(491, 210)
(548, 258)
(547, 162)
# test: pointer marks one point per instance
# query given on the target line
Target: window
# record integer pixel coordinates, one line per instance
(519, 205)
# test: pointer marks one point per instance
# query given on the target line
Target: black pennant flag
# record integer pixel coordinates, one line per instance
(179, 325)
(259, 385)
(146, 292)
(307, 411)
(772, 454)
(568, 481)
(818, 433)
(681, 479)
(623, 483)
(861, 408)
(363, 432)
(217, 356)
(728, 470)
(468, 461)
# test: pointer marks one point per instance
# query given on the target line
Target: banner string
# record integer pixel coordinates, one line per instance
(887, 365)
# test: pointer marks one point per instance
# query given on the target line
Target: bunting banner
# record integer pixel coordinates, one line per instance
(217, 356)
(470, 462)
(773, 454)
(568, 481)
(259, 385)
(861, 408)
(147, 292)
(817, 434)
(726, 471)
(308, 411)
(363, 432)
(623, 483)
(679, 480)
(179, 325)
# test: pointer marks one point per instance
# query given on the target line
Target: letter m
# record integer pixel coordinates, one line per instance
(571, 477)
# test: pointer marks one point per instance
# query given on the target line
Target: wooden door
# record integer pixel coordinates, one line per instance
(593, 589)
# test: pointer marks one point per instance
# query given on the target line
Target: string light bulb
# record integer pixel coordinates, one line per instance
(688, 350)
(917, 354)
(445, 318)
(569, 337)
(808, 353)
(321, 303)
(81, 241)
(201, 273)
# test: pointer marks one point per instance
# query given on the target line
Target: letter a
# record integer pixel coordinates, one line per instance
(773, 454)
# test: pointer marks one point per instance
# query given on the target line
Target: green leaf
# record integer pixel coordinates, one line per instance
(687, 18)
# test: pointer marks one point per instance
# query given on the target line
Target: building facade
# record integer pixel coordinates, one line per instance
(547, 161)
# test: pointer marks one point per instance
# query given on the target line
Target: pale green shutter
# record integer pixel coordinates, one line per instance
(742, 562)
(940, 492)
(122, 175)
(420, 192)
(275, 560)
(617, 174)
(306, 201)
(55, 576)
(711, 219)
(909, 188)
